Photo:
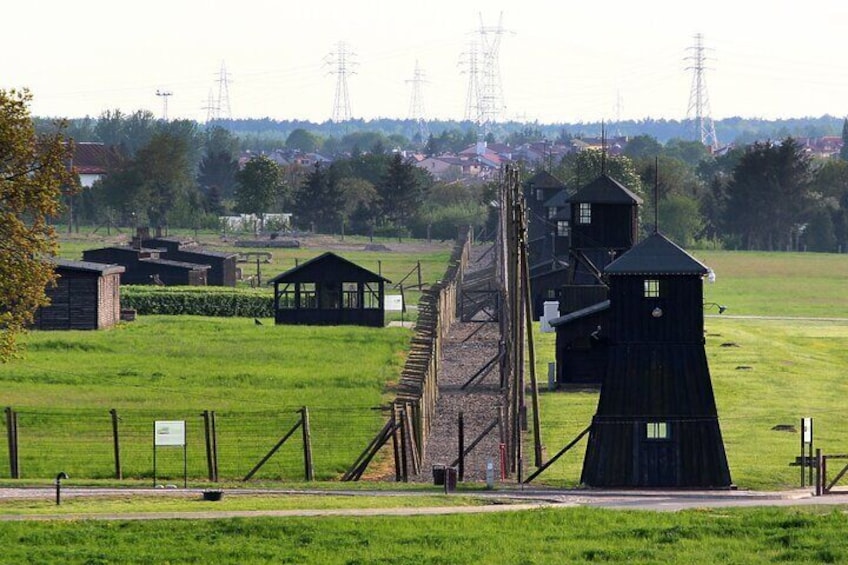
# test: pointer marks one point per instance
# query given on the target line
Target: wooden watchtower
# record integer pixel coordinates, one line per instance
(656, 424)
(604, 224)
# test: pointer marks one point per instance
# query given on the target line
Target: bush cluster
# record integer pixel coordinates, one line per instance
(198, 301)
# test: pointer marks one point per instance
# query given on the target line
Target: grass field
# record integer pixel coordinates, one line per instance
(166, 368)
(575, 535)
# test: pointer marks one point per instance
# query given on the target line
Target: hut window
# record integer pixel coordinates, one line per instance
(308, 296)
(657, 430)
(540, 194)
(563, 229)
(584, 213)
(286, 297)
(652, 288)
(350, 295)
(371, 295)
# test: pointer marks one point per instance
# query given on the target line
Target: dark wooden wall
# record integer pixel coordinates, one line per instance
(613, 226)
(681, 302)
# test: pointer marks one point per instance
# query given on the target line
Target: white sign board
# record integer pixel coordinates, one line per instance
(169, 432)
(393, 303)
(808, 430)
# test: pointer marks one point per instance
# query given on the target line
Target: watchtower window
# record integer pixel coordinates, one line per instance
(584, 213)
(540, 194)
(552, 211)
(652, 288)
(563, 229)
(657, 430)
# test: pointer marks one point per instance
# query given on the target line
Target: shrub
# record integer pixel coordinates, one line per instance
(198, 301)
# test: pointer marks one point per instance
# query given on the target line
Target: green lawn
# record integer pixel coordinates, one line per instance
(167, 368)
(550, 536)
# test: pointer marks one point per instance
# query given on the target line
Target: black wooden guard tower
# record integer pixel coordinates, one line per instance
(656, 423)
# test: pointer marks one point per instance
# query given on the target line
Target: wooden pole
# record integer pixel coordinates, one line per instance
(214, 427)
(116, 445)
(309, 470)
(395, 447)
(461, 428)
(11, 434)
(273, 451)
(403, 464)
(207, 435)
(531, 348)
(818, 472)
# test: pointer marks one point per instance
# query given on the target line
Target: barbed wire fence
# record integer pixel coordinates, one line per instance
(119, 444)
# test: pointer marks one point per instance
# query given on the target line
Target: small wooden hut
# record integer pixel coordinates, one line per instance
(329, 290)
(146, 266)
(222, 265)
(87, 296)
(656, 424)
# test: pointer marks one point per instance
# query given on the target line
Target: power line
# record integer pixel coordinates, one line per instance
(699, 100)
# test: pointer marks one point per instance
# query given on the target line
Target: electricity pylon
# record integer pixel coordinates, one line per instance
(340, 63)
(699, 100)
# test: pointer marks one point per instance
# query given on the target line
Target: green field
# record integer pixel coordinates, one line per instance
(172, 368)
(554, 536)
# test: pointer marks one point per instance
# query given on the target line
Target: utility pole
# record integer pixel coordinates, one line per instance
(223, 103)
(699, 100)
(164, 94)
(341, 64)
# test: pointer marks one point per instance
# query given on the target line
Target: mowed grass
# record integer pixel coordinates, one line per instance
(255, 377)
(765, 372)
(575, 535)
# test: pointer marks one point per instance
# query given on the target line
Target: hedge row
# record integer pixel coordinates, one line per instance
(198, 301)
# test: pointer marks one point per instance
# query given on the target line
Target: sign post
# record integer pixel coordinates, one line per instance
(170, 433)
(806, 454)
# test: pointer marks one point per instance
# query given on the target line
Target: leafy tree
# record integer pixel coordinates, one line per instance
(687, 150)
(128, 132)
(579, 169)
(643, 147)
(32, 174)
(302, 140)
(258, 185)
(769, 195)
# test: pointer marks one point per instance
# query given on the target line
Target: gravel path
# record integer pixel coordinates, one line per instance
(469, 347)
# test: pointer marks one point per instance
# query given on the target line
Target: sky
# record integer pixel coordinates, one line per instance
(559, 61)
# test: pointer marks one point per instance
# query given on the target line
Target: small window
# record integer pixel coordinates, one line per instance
(584, 213)
(656, 430)
(652, 288)
(552, 211)
(563, 229)
(540, 194)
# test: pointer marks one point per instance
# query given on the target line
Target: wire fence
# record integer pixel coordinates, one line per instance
(98, 444)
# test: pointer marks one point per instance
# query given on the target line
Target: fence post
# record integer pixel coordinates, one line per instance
(309, 470)
(461, 426)
(214, 446)
(207, 434)
(395, 446)
(819, 477)
(403, 464)
(12, 433)
(116, 444)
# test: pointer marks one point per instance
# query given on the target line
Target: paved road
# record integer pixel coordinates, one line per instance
(502, 500)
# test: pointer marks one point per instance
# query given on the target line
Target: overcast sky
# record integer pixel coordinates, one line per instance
(560, 61)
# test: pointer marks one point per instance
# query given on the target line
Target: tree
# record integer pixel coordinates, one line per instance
(32, 173)
(319, 201)
(401, 191)
(302, 140)
(643, 147)
(258, 185)
(769, 196)
(843, 152)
